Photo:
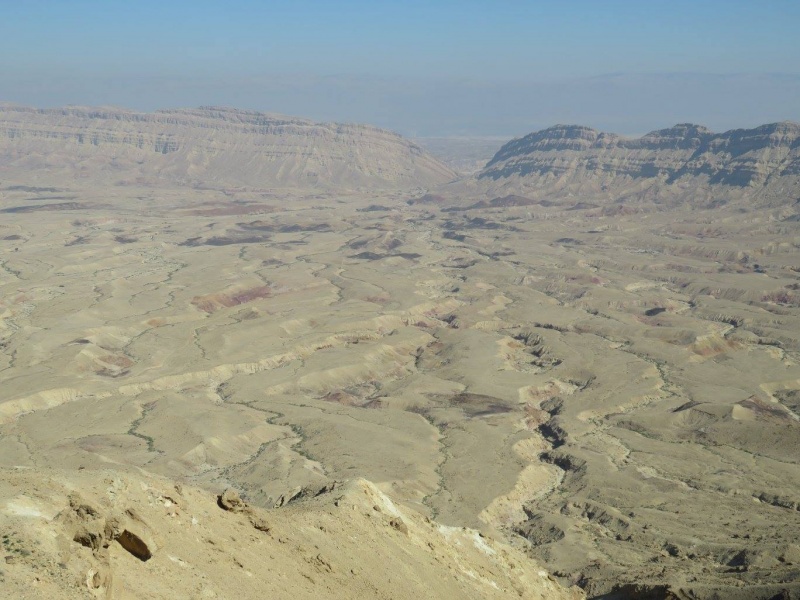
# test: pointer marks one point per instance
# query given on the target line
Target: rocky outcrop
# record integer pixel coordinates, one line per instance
(214, 147)
(741, 157)
(142, 536)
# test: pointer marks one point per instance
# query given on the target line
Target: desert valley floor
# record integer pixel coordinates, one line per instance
(616, 394)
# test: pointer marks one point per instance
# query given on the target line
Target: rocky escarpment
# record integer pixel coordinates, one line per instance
(107, 534)
(567, 153)
(211, 147)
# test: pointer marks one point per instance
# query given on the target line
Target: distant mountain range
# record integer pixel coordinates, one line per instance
(224, 147)
(210, 147)
(567, 154)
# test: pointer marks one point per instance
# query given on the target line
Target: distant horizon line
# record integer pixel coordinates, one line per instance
(494, 137)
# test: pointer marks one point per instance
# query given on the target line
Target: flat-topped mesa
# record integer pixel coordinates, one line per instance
(741, 157)
(211, 146)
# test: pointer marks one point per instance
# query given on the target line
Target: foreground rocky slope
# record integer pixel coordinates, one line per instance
(115, 535)
(214, 147)
(568, 155)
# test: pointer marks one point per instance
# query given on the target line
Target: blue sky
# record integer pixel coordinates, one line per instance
(428, 68)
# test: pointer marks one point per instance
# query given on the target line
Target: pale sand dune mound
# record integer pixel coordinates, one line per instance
(109, 535)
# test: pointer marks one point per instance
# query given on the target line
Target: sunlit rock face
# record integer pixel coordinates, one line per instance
(211, 146)
(741, 157)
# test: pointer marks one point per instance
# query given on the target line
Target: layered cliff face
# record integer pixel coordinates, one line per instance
(210, 147)
(564, 154)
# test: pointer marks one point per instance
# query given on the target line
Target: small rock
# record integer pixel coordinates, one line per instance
(230, 500)
(399, 524)
(285, 499)
(259, 523)
(135, 545)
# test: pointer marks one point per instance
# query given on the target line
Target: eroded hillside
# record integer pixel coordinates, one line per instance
(210, 146)
(613, 391)
(679, 161)
(108, 535)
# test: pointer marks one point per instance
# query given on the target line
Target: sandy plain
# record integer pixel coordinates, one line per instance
(616, 395)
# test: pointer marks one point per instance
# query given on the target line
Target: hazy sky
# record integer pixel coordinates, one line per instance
(439, 67)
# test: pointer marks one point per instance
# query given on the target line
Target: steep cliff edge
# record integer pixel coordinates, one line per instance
(566, 154)
(113, 535)
(210, 147)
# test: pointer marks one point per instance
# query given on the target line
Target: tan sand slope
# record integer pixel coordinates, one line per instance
(108, 535)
